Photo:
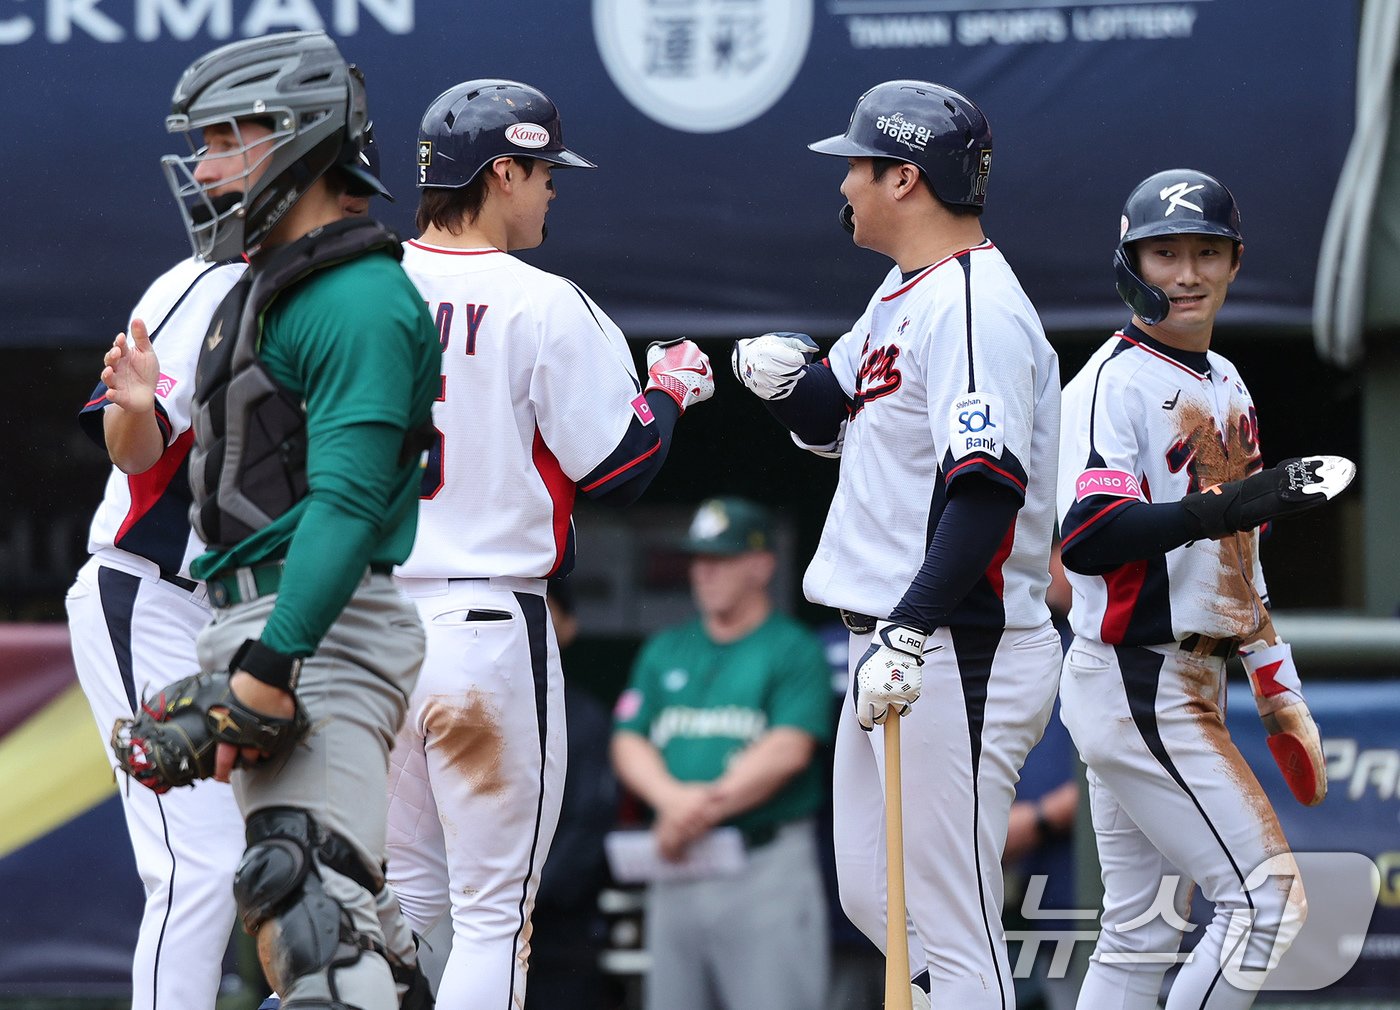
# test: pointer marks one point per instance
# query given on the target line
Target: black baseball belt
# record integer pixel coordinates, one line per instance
(857, 624)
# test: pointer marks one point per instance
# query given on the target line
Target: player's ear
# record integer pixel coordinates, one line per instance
(500, 171)
(1238, 255)
(908, 179)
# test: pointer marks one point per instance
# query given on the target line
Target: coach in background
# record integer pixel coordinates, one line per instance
(1162, 490)
(943, 403)
(721, 725)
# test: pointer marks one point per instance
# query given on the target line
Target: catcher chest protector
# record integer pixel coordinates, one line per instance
(248, 464)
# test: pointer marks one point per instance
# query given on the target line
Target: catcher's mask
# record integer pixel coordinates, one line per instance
(1179, 201)
(295, 84)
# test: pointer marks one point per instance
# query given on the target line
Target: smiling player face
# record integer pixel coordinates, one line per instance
(1195, 271)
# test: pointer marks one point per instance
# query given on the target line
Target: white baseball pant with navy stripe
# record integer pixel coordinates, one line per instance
(987, 696)
(133, 634)
(477, 779)
(1173, 801)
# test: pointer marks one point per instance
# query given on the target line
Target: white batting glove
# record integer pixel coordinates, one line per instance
(680, 370)
(770, 365)
(888, 675)
(1293, 737)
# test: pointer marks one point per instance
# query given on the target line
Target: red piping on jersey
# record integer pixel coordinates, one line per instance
(994, 573)
(1158, 354)
(451, 252)
(1066, 541)
(978, 460)
(624, 467)
(95, 402)
(561, 493)
(146, 488)
(1124, 586)
(987, 244)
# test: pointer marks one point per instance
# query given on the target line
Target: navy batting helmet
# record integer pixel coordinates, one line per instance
(298, 83)
(1179, 201)
(471, 125)
(939, 131)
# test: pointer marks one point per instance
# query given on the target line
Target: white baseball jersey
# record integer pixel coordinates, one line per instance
(1146, 422)
(543, 382)
(951, 375)
(133, 630)
(147, 514)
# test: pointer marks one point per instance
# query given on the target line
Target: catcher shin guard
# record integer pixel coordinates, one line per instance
(305, 937)
(1295, 485)
(1293, 737)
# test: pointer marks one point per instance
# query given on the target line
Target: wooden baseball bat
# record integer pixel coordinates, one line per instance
(897, 994)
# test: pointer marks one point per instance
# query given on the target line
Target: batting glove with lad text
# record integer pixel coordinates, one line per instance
(888, 676)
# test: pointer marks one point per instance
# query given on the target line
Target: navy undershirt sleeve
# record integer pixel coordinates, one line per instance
(815, 408)
(1131, 533)
(971, 528)
(621, 478)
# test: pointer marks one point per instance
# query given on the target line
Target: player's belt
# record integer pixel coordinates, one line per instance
(243, 584)
(1204, 645)
(188, 585)
(857, 624)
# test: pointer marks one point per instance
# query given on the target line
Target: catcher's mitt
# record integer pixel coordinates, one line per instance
(171, 742)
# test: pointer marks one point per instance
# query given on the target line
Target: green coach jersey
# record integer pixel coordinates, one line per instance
(701, 703)
(356, 343)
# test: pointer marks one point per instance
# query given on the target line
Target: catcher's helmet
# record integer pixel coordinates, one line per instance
(471, 125)
(296, 82)
(941, 132)
(361, 167)
(1179, 201)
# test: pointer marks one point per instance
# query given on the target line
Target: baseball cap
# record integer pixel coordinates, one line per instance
(729, 526)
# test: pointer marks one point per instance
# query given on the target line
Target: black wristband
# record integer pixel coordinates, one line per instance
(267, 665)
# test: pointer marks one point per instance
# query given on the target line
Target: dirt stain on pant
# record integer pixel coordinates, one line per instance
(1202, 680)
(466, 730)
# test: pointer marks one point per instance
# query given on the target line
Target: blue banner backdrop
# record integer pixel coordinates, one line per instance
(707, 215)
(1357, 722)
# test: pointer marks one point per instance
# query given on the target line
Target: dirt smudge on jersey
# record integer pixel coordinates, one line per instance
(467, 731)
(1218, 457)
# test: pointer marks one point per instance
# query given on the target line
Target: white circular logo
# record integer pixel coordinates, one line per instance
(703, 66)
(527, 135)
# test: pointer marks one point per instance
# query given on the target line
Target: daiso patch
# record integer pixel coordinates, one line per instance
(1115, 483)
